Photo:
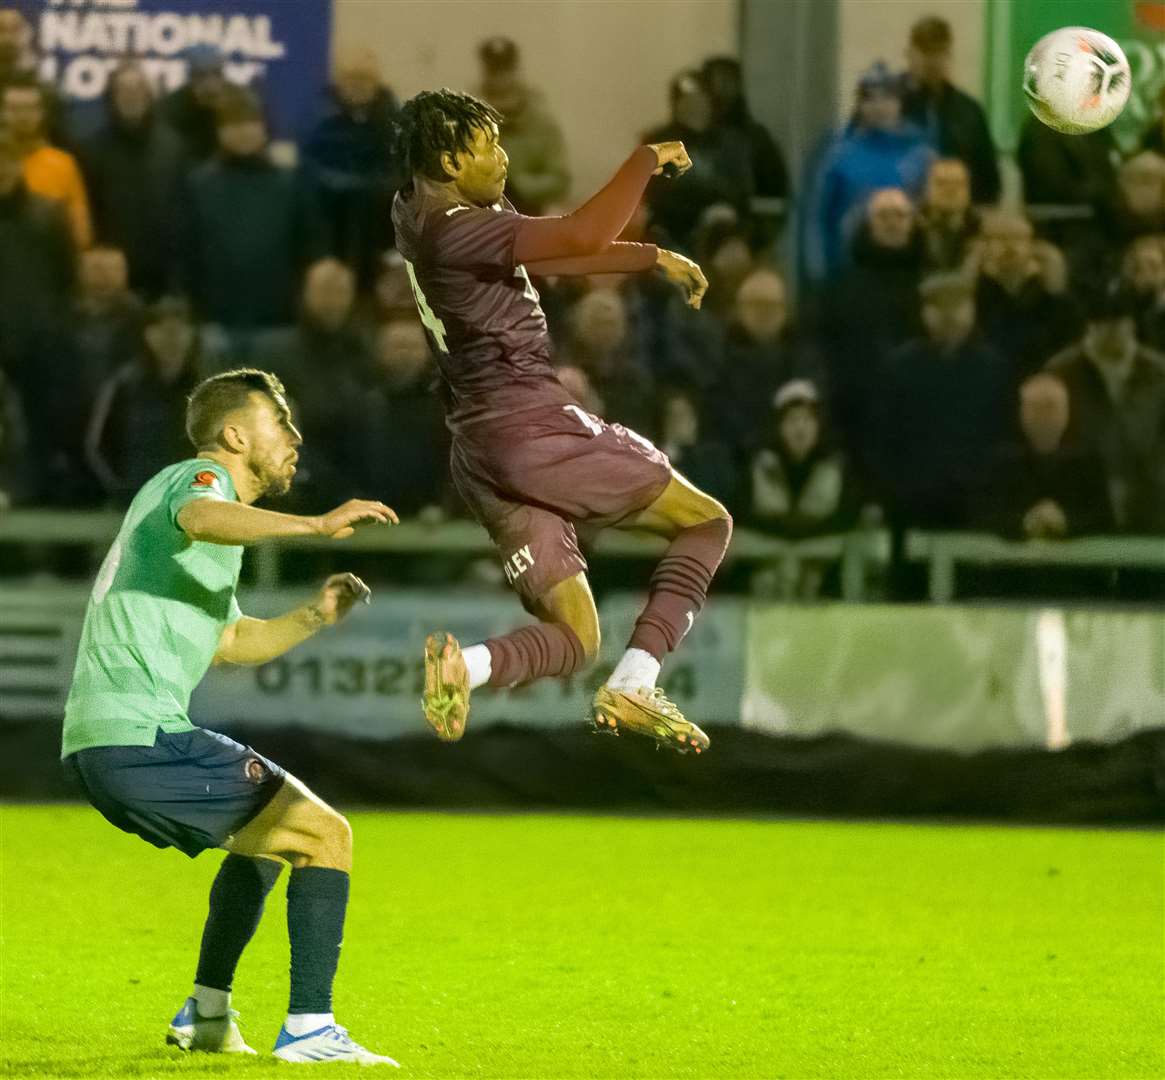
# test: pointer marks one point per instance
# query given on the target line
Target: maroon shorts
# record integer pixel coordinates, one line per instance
(531, 478)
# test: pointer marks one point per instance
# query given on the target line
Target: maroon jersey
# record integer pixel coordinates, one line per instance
(480, 310)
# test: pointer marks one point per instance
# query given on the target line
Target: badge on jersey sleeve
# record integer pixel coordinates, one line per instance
(204, 479)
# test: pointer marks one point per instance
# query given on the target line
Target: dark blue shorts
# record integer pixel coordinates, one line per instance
(190, 790)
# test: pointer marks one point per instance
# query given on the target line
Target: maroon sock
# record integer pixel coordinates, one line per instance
(534, 652)
(679, 586)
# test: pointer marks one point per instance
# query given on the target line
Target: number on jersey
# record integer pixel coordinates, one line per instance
(428, 320)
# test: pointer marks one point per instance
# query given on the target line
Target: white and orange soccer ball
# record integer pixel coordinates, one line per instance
(1076, 80)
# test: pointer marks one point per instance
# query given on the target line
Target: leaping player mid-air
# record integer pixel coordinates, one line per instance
(529, 461)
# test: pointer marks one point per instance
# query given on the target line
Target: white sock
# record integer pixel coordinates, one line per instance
(301, 1023)
(211, 1002)
(480, 665)
(637, 670)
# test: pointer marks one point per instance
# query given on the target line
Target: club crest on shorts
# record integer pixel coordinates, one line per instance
(517, 564)
(255, 770)
(204, 479)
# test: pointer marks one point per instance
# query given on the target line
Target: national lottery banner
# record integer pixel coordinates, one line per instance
(1014, 26)
(282, 45)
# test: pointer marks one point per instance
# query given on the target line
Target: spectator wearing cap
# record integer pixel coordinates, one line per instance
(137, 424)
(354, 164)
(1116, 387)
(250, 228)
(48, 171)
(798, 483)
(191, 109)
(134, 168)
(1042, 488)
(722, 79)
(946, 218)
(539, 176)
(872, 310)
(763, 351)
(952, 120)
(943, 404)
(878, 150)
(1024, 306)
(703, 459)
(37, 271)
(721, 172)
(19, 64)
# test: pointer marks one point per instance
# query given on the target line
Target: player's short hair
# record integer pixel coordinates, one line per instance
(437, 122)
(215, 398)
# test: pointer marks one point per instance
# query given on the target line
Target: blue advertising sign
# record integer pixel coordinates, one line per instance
(283, 45)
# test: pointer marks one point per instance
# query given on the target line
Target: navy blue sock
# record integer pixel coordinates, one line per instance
(236, 905)
(317, 900)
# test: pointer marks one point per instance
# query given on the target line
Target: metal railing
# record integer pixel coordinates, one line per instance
(859, 553)
(945, 551)
(96, 530)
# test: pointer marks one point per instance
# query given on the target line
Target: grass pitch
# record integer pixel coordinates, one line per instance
(556, 946)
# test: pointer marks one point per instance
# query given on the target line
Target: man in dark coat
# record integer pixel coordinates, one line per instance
(133, 170)
(942, 404)
(1040, 487)
(351, 159)
(1117, 392)
(953, 120)
(250, 228)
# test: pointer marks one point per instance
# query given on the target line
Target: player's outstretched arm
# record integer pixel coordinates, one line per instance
(216, 521)
(256, 641)
(596, 223)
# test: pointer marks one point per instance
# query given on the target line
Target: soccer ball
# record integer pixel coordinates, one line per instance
(1076, 80)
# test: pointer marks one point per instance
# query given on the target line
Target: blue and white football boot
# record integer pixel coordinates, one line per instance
(329, 1043)
(213, 1035)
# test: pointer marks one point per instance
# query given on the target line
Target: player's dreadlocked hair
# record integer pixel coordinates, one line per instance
(438, 122)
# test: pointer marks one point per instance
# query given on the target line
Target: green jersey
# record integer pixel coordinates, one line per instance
(154, 620)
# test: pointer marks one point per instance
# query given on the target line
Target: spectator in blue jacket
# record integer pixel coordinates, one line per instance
(877, 150)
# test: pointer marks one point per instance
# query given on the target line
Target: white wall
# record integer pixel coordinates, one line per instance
(604, 65)
(870, 30)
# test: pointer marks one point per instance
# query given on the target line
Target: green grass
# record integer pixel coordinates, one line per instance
(547, 946)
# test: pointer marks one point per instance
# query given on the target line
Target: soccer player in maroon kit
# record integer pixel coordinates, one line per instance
(530, 462)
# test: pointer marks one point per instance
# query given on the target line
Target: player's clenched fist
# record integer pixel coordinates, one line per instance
(671, 158)
(341, 522)
(681, 271)
(337, 596)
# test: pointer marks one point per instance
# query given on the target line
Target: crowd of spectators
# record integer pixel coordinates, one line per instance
(950, 362)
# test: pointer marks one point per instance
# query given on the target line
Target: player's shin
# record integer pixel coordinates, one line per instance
(679, 587)
(317, 901)
(236, 906)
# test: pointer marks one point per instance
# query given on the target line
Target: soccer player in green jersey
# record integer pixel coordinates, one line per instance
(162, 610)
